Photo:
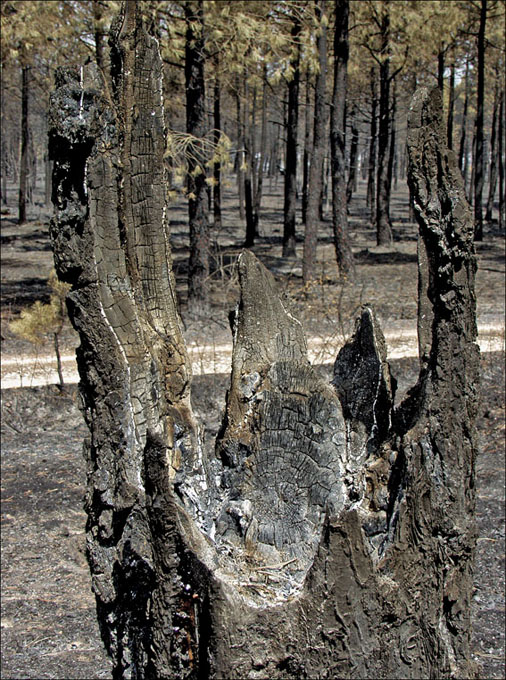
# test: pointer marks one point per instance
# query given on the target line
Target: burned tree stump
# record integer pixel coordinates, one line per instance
(330, 534)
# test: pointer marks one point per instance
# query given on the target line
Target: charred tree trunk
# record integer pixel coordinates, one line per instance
(393, 136)
(500, 163)
(352, 172)
(98, 34)
(492, 176)
(217, 164)
(239, 159)
(332, 536)
(441, 69)
(344, 254)
(111, 242)
(463, 131)
(198, 266)
(25, 141)
(383, 224)
(307, 148)
(318, 152)
(451, 105)
(263, 153)
(371, 180)
(478, 157)
(290, 203)
(248, 170)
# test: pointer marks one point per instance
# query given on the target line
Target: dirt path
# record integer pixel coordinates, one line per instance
(34, 371)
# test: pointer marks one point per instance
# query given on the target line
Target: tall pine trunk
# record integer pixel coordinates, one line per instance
(263, 153)
(492, 177)
(239, 159)
(198, 268)
(383, 224)
(307, 148)
(393, 135)
(344, 255)
(479, 155)
(248, 171)
(290, 200)
(352, 172)
(371, 179)
(25, 141)
(217, 163)
(500, 163)
(451, 105)
(318, 150)
(463, 129)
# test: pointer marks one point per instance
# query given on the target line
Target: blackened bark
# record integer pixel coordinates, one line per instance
(307, 151)
(500, 163)
(98, 34)
(25, 140)
(352, 172)
(371, 180)
(471, 185)
(344, 255)
(480, 95)
(392, 142)
(253, 143)
(198, 267)
(263, 153)
(463, 130)
(217, 164)
(111, 242)
(383, 224)
(441, 69)
(332, 536)
(318, 151)
(290, 202)
(248, 171)
(492, 177)
(239, 159)
(451, 377)
(451, 105)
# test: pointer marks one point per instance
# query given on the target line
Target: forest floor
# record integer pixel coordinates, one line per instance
(49, 628)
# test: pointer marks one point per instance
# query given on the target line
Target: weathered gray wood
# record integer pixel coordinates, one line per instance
(329, 535)
(111, 242)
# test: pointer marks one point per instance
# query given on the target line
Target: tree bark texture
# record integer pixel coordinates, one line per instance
(329, 535)
(249, 171)
(317, 155)
(500, 163)
(239, 159)
(352, 172)
(451, 105)
(25, 139)
(479, 121)
(198, 268)
(290, 199)
(263, 153)
(217, 164)
(344, 255)
(307, 146)
(111, 242)
(492, 176)
(392, 140)
(383, 225)
(463, 130)
(371, 180)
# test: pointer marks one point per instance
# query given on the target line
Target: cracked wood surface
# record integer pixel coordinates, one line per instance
(329, 534)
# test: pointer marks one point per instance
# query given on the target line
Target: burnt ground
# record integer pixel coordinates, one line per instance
(49, 628)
